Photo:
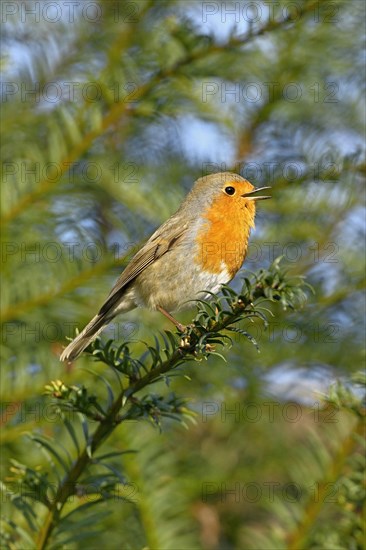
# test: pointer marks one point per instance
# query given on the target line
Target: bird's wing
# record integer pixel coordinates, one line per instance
(159, 243)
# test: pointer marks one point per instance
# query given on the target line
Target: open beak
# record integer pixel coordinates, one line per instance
(259, 197)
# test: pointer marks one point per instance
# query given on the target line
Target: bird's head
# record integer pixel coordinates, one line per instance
(229, 191)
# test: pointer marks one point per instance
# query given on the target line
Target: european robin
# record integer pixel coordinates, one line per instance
(199, 248)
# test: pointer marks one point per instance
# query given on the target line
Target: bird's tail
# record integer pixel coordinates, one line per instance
(90, 332)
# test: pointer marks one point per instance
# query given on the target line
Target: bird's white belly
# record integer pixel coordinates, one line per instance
(174, 288)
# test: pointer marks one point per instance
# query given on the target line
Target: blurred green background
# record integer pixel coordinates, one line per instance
(110, 111)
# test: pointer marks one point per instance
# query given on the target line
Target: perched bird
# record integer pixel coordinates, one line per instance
(200, 247)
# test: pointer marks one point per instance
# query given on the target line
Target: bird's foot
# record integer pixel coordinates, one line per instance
(180, 327)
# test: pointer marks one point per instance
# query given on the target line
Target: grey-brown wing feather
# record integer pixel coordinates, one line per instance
(156, 246)
(153, 249)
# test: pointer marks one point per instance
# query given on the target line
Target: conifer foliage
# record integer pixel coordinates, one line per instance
(154, 439)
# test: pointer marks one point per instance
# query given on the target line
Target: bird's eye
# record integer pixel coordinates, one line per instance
(229, 190)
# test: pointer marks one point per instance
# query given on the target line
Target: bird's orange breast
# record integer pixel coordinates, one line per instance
(223, 238)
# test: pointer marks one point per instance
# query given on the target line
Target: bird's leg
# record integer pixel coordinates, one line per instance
(180, 327)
